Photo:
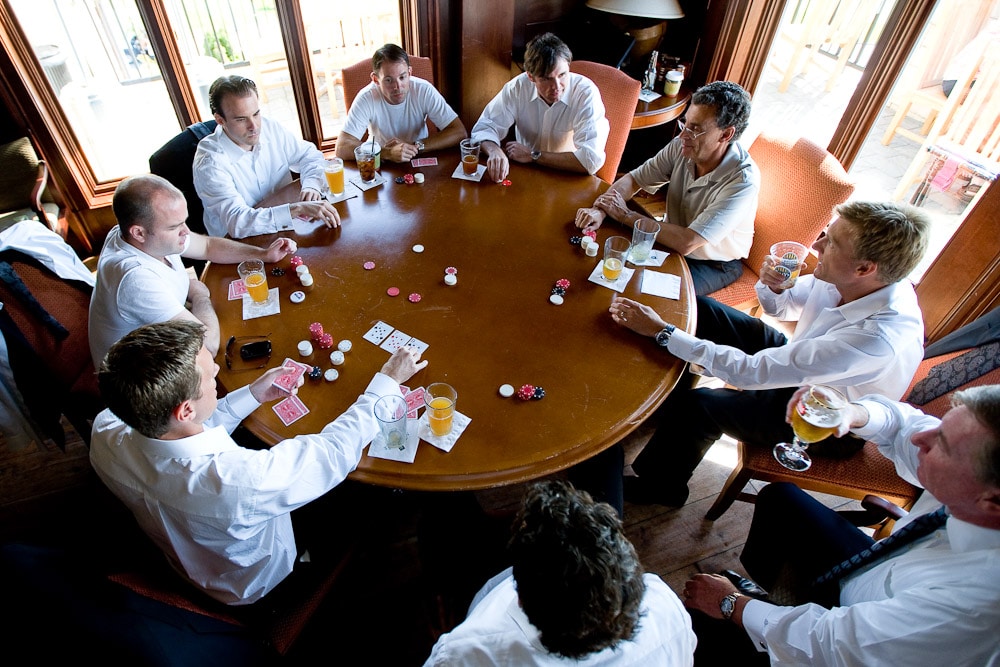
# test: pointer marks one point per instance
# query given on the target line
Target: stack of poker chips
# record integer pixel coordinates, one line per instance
(529, 392)
(559, 291)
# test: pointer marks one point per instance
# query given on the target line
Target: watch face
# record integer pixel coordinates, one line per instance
(727, 606)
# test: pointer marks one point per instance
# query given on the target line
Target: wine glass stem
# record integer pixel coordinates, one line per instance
(799, 446)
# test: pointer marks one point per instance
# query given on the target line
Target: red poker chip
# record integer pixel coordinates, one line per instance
(591, 233)
(526, 392)
(451, 270)
(325, 341)
(562, 282)
(295, 260)
(414, 297)
(506, 183)
(369, 266)
(392, 291)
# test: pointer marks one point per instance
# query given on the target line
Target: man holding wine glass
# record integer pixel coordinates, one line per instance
(859, 331)
(929, 598)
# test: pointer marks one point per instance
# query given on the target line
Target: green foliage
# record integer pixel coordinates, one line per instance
(219, 47)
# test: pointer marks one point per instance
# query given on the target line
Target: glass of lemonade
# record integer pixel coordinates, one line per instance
(643, 235)
(335, 176)
(615, 252)
(390, 412)
(815, 418)
(254, 278)
(440, 401)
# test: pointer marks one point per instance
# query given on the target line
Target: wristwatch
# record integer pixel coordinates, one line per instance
(535, 155)
(663, 337)
(420, 145)
(728, 604)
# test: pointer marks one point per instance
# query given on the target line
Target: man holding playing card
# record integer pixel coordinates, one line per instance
(221, 513)
(140, 276)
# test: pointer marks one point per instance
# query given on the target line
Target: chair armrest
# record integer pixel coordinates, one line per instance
(41, 179)
(877, 504)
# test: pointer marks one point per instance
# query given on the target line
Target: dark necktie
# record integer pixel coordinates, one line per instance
(920, 527)
(955, 372)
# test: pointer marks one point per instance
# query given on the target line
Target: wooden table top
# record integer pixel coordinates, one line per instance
(496, 326)
(661, 110)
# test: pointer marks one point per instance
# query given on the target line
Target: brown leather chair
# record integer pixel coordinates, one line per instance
(359, 75)
(800, 185)
(620, 93)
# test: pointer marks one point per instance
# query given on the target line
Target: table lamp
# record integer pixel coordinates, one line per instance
(648, 32)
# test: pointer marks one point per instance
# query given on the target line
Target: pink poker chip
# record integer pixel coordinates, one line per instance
(414, 297)
(505, 183)
(591, 233)
(392, 291)
(295, 260)
(369, 266)
(562, 282)
(451, 270)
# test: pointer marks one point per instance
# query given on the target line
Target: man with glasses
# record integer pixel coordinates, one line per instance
(140, 276)
(248, 158)
(712, 198)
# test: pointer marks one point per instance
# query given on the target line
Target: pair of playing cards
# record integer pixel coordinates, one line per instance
(424, 162)
(292, 408)
(414, 400)
(390, 339)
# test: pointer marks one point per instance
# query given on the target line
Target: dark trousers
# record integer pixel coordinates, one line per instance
(708, 275)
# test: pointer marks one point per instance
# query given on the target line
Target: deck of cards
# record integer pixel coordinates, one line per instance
(292, 408)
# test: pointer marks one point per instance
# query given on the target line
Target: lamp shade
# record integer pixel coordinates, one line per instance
(650, 9)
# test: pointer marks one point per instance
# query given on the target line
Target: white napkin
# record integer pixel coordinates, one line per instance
(346, 194)
(379, 450)
(656, 258)
(478, 176)
(597, 276)
(252, 309)
(361, 185)
(444, 442)
(661, 284)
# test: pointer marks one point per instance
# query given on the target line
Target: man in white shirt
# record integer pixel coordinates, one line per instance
(221, 513)
(558, 116)
(935, 601)
(576, 595)
(859, 330)
(140, 276)
(395, 108)
(248, 158)
(714, 183)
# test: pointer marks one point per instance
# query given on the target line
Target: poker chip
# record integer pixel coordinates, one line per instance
(369, 266)
(295, 260)
(331, 374)
(418, 178)
(556, 299)
(345, 346)
(297, 297)
(408, 179)
(325, 341)
(506, 390)
(451, 270)
(575, 240)
(559, 290)
(450, 280)
(418, 248)
(505, 183)
(316, 331)
(526, 392)
(414, 297)
(591, 233)
(337, 357)
(399, 180)
(305, 348)
(562, 282)
(392, 291)
(277, 271)
(539, 394)
(316, 373)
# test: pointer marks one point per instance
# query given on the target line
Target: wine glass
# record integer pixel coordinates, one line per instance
(815, 417)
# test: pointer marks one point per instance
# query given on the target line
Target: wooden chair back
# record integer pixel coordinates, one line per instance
(620, 93)
(359, 75)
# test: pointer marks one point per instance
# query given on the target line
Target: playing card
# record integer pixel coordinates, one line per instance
(417, 344)
(424, 162)
(377, 333)
(414, 401)
(237, 289)
(396, 340)
(290, 410)
(290, 379)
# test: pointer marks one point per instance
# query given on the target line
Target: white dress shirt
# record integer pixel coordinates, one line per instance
(934, 602)
(497, 633)
(133, 289)
(720, 206)
(221, 512)
(406, 121)
(870, 345)
(231, 180)
(575, 123)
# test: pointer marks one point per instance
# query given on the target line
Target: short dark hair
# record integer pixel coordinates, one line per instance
(984, 403)
(151, 371)
(133, 202)
(389, 53)
(731, 104)
(578, 578)
(893, 236)
(233, 84)
(542, 52)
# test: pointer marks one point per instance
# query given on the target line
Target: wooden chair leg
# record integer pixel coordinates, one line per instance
(738, 478)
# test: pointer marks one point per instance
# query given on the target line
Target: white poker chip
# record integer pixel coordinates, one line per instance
(450, 279)
(297, 297)
(556, 299)
(506, 390)
(418, 248)
(344, 346)
(331, 374)
(336, 357)
(418, 178)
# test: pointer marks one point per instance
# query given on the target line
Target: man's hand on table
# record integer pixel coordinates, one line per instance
(315, 210)
(403, 364)
(638, 317)
(612, 203)
(399, 151)
(497, 164)
(589, 218)
(279, 249)
(263, 388)
(311, 194)
(517, 152)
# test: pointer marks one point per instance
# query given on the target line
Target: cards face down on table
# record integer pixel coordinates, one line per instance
(290, 410)
(423, 162)
(390, 339)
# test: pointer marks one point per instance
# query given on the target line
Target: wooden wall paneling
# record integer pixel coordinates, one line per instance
(964, 281)
(748, 30)
(487, 28)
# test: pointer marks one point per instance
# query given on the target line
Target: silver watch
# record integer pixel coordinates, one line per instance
(663, 336)
(420, 145)
(535, 155)
(728, 604)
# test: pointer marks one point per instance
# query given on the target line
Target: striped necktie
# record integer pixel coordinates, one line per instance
(920, 527)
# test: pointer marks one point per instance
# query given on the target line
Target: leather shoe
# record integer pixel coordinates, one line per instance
(744, 585)
(640, 492)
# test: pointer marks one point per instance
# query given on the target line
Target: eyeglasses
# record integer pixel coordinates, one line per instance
(250, 349)
(684, 129)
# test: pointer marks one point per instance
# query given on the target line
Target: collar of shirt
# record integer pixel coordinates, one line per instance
(235, 152)
(731, 161)
(531, 633)
(570, 87)
(202, 444)
(965, 536)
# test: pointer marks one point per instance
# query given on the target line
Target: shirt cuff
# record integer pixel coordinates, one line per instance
(681, 344)
(241, 402)
(383, 385)
(282, 217)
(755, 618)
(878, 418)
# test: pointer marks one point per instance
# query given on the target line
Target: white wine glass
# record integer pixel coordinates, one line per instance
(815, 417)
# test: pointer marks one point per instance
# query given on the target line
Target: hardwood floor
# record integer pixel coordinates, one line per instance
(385, 608)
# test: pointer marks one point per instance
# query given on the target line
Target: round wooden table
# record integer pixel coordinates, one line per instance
(510, 245)
(661, 110)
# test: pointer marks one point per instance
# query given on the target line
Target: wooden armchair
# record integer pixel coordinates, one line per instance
(23, 195)
(620, 93)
